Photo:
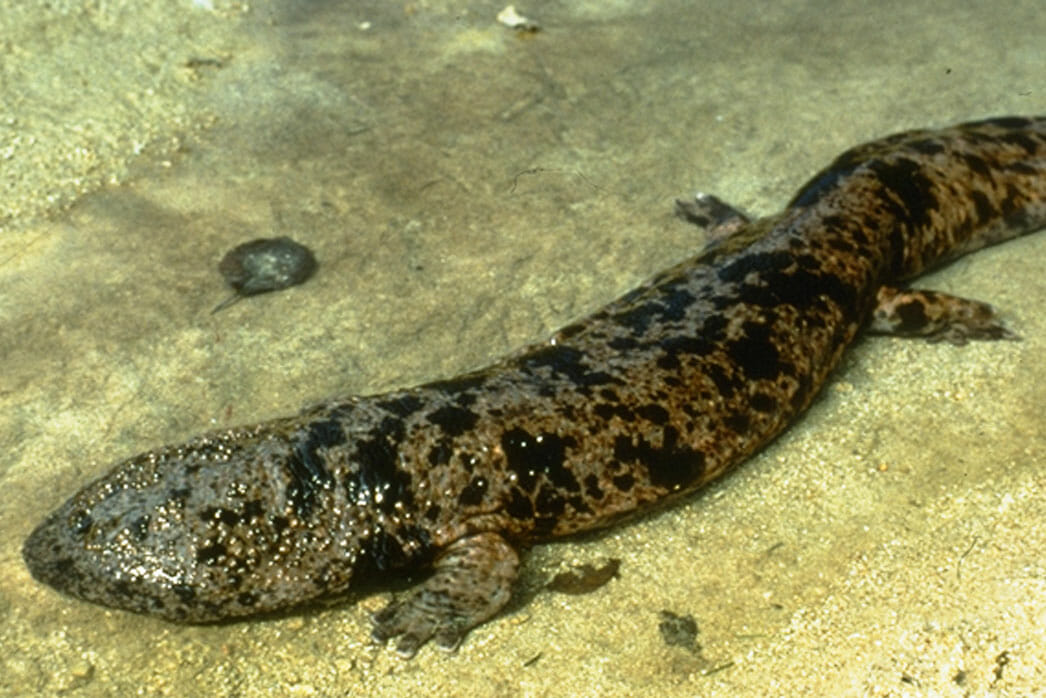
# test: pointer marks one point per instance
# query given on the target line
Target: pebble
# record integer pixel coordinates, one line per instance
(263, 265)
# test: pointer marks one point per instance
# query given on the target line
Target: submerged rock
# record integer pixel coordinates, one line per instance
(263, 265)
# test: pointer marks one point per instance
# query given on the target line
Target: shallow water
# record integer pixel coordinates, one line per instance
(467, 190)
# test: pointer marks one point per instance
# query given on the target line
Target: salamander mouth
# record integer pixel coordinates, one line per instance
(49, 559)
(55, 554)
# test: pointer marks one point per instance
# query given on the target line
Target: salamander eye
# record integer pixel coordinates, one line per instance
(81, 523)
(139, 528)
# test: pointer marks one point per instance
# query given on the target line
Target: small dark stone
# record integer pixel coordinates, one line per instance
(680, 631)
(263, 265)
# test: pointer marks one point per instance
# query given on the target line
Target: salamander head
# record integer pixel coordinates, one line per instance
(198, 533)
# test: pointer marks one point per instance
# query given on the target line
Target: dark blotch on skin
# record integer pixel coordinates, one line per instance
(531, 458)
(982, 205)
(210, 554)
(623, 343)
(738, 423)
(913, 190)
(570, 363)
(454, 421)
(263, 265)
(592, 488)
(675, 347)
(927, 146)
(519, 506)
(653, 413)
(781, 279)
(550, 504)
(912, 315)
(279, 523)
(460, 384)
(624, 482)
(756, 263)
(377, 460)
(671, 465)
(308, 473)
(184, 592)
(756, 353)
(606, 410)
(384, 552)
(761, 402)
(178, 496)
(473, 493)
(440, 453)
(726, 386)
(402, 405)
(139, 528)
(640, 318)
(977, 165)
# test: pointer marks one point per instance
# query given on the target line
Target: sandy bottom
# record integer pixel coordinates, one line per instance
(468, 189)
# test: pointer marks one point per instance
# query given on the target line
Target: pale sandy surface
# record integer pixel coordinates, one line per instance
(468, 190)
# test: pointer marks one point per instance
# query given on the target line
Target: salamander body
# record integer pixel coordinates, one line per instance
(647, 399)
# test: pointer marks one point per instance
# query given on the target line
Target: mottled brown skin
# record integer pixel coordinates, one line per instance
(646, 400)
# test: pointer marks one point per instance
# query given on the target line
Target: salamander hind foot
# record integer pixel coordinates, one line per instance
(939, 317)
(711, 213)
(472, 581)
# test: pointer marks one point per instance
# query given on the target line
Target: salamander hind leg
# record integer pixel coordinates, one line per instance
(472, 581)
(939, 317)
(718, 218)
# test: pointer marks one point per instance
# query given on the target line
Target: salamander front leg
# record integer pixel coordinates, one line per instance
(472, 581)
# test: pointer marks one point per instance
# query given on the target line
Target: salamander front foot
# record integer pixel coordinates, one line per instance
(472, 581)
